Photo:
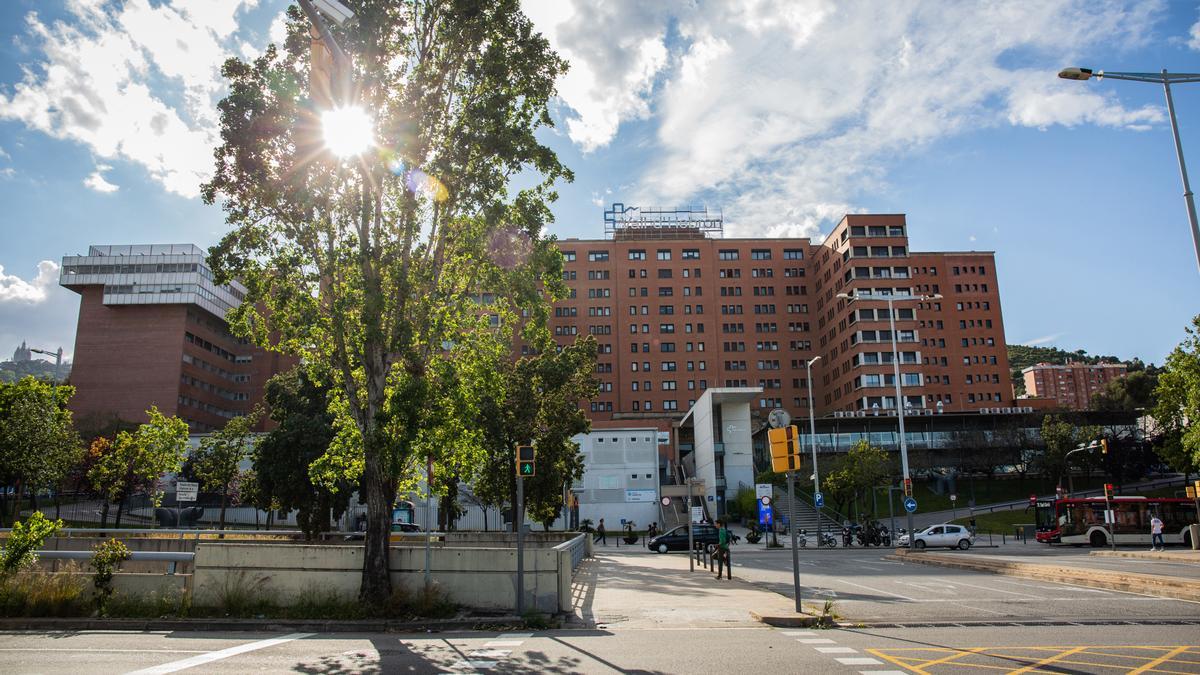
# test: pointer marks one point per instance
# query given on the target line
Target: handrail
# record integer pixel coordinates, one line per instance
(162, 530)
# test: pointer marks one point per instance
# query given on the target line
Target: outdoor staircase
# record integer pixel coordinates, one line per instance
(806, 515)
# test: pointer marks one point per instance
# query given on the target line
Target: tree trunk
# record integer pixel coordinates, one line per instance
(376, 586)
(120, 507)
(221, 521)
(104, 514)
(485, 523)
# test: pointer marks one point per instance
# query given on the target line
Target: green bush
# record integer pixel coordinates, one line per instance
(106, 558)
(25, 540)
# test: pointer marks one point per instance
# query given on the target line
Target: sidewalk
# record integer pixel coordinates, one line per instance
(1181, 556)
(628, 589)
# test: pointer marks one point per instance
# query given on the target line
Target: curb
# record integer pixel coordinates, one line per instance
(1146, 584)
(256, 625)
(1173, 556)
(794, 620)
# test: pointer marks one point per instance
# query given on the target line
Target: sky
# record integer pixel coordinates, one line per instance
(782, 115)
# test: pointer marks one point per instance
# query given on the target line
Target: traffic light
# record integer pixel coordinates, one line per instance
(1108, 490)
(1033, 499)
(907, 487)
(1103, 446)
(526, 461)
(785, 448)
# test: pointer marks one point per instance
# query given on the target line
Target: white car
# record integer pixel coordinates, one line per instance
(946, 534)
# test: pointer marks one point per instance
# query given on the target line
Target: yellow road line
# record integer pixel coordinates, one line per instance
(920, 669)
(1162, 659)
(1047, 660)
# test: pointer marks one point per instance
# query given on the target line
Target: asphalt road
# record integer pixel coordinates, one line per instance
(1091, 649)
(863, 586)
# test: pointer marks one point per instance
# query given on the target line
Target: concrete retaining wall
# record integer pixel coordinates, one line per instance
(471, 576)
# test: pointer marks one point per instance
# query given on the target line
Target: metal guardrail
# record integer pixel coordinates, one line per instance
(68, 531)
(578, 548)
(172, 558)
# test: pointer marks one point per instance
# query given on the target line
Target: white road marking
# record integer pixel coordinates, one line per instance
(836, 650)
(981, 609)
(514, 635)
(474, 665)
(876, 590)
(113, 651)
(817, 641)
(998, 590)
(209, 657)
(503, 643)
(799, 633)
(882, 672)
(860, 661)
(489, 653)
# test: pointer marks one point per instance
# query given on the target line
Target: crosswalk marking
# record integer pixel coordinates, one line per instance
(514, 635)
(798, 633)
(859, 661)
(474, 665)
(836, 650)
(816, 641)
(502, 643)
(489, 653)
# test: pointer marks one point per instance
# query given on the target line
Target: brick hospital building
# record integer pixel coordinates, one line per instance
(677, 311)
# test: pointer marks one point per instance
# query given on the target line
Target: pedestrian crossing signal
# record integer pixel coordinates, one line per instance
(525, 461)
(785, 448)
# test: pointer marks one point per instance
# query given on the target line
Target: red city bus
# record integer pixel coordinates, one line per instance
(1081, 521)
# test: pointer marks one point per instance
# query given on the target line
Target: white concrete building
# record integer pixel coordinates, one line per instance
(717, 430)
(620, 477)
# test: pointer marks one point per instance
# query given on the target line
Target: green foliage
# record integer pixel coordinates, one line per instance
(38, 445)
(134, 461)
(1178, 406)
(216, 463)
(1061, 437)
(106, 558)
(1127, 394)
(282, 459)
(863, 468)
(25, 540)
(743, 504)
(538, 401)
(1023, 356)
(375, 269)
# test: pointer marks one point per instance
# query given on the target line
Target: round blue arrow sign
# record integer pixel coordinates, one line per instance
(819, 500)
(910, 504)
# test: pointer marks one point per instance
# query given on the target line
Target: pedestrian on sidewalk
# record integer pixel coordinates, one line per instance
(722, 556)
(601, 536)
(1156, 538)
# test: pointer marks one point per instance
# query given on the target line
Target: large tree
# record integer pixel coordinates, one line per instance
(38, 445)
(1060, 437)
(374, 265)
(1178, 405)
(304, 431)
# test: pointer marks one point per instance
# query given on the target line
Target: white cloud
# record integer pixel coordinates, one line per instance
(1194, 36)
(7, 172)
(786, 112)
(4, 155)
(14, 289)
(92, 81)
(97, 182)
(1042, 340)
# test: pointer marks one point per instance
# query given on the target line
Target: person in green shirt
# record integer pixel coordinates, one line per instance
(722, 556)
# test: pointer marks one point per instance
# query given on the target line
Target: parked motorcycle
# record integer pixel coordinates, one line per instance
(846, 537)
(828, 540)
(802, 538)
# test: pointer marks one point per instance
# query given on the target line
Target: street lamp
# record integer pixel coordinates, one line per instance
(57, 360)
(1165, 79)
(896, 374)
(347, 128)
(812, 432)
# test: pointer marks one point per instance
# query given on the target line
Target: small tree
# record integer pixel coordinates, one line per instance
(134, 462)
(217, 462)
(1060, 438)
(38, 445)
(1178, 403)
(106, 559)
(25, 540)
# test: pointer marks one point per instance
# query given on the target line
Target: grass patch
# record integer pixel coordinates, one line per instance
(36, 592)
(999, 522)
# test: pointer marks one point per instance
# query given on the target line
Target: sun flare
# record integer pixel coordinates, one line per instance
(348, 131)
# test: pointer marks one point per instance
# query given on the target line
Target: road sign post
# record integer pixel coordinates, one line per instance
(792, 528)
(526, 458)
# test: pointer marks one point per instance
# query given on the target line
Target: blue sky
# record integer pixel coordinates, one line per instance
(784, 115)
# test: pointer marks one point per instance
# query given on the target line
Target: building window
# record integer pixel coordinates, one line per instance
(727, 254)
(568, 256)
(793, 254)
(597, 256)
(637, 255)
(691, 254)
(663, 254)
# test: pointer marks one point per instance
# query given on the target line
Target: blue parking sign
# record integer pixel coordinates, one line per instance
(819, 500)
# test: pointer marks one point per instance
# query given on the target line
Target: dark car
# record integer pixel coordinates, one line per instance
(677, 539)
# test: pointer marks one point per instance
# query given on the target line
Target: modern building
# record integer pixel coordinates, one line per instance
(620, 477)
(1071, 385)
(152, 331)
(677, 310)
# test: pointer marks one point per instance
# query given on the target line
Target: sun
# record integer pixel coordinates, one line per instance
(348, 131)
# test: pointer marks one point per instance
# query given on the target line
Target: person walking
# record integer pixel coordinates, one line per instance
(1156, 538)
(601, 535)
(723, 560)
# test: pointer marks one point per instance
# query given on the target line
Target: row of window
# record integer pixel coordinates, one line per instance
(688, 254)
